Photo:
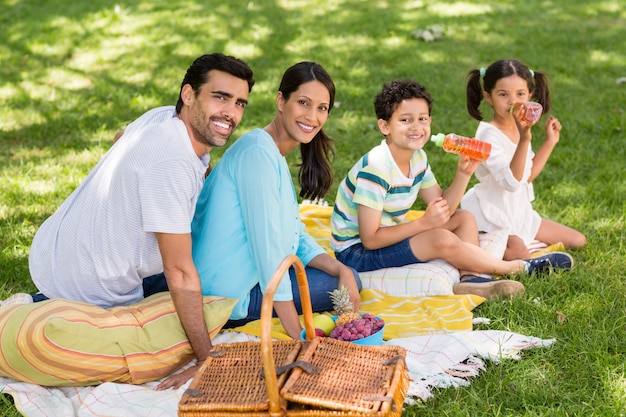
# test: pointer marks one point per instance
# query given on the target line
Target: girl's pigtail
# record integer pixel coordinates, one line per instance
(474, 94)
(542, 92)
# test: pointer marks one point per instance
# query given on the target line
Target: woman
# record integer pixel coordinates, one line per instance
(247, 217)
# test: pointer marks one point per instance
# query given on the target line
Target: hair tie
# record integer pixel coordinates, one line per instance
(482, 72)
(532, 73)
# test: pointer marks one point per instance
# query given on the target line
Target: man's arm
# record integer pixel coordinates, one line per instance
(184, 285)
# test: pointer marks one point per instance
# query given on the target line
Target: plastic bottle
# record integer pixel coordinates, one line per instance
(471, 147)
(531, 112)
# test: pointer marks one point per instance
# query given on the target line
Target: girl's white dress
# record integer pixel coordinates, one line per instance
(499, 201)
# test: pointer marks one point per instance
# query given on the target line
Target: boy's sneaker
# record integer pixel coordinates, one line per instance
(488, 288)
(15, 299)
(554, 260)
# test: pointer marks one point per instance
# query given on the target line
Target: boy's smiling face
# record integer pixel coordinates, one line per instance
(408, 129)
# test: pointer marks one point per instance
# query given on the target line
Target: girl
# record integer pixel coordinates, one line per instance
(247, 217)
(503, 198)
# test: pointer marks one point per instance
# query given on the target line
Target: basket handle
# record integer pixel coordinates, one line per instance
(267, 308)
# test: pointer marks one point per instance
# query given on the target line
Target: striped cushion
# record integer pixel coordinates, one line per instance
(69, 343)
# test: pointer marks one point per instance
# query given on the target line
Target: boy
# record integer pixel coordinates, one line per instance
(369, 230)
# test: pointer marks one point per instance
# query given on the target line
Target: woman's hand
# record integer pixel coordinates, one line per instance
(346, 279)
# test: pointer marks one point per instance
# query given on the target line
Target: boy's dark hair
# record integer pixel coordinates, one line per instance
(394, 92)
(537, 84)
(198, 73)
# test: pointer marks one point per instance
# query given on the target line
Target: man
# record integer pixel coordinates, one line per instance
(130, 218)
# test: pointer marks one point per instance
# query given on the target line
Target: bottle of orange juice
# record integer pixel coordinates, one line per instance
(531, 112)
(461, 145)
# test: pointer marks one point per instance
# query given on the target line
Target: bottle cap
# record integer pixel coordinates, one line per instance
(438, 139)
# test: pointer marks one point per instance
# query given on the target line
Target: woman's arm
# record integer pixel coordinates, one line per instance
(331, 266)
(288, 315)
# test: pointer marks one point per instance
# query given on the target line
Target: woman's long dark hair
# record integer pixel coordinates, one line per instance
(316, 172)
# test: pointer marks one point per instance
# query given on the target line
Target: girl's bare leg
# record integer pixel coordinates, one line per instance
(515, 249)
(552, 232)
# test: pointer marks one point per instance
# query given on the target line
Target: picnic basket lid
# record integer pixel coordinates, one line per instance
(349, 377)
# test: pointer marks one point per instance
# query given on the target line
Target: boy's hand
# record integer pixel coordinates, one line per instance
(437, 213)
(467, 165)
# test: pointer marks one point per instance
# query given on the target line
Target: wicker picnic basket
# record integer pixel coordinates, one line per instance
(316, 377)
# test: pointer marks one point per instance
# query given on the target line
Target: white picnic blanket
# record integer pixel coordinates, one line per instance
(434, 361)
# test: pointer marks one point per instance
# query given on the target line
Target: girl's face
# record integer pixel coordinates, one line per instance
(507, 92)
(409, 125)
(305, 112)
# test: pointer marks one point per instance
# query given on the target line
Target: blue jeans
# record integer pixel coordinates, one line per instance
(154, 284)
(151, 285)
(361, 259)
(320, 284)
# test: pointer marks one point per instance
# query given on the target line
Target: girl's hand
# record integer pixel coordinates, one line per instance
(553, 130)
(467, 165)
(522, 128)
(437, 213)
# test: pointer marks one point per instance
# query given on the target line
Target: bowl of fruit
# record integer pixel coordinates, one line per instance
(366, 330)
(347, 325)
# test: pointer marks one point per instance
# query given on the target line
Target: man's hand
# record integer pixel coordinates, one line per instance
(178, 380)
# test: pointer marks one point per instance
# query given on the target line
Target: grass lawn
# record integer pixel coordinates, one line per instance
(74, 72)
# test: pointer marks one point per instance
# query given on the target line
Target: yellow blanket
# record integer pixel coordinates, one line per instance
(316, 221)
(404, 316)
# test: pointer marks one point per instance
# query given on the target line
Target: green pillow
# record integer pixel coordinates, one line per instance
(69, 343)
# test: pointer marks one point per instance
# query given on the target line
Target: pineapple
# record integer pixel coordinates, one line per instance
(343, 306)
